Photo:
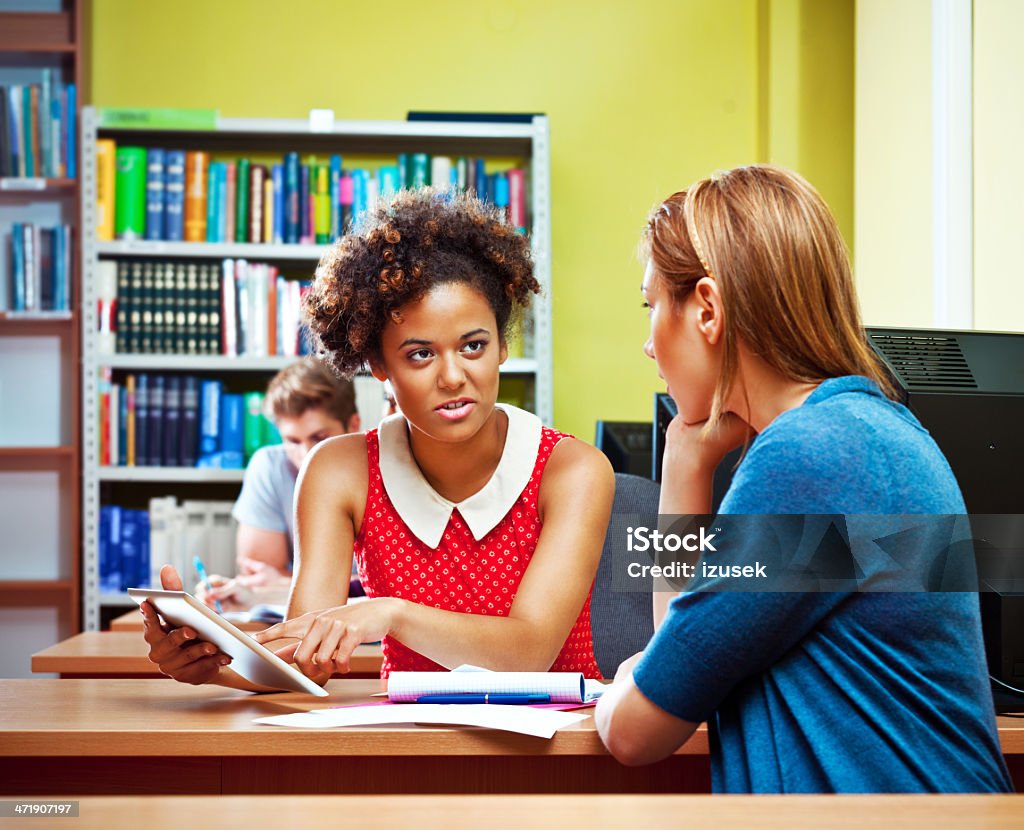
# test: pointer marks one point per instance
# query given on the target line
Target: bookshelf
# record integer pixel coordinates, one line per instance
(40, 459)
(527, 143)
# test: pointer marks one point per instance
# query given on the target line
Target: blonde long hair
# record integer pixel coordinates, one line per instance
(768, 239)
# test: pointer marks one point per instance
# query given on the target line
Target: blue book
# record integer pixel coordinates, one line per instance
(211, 393)
(174, 194)
(142, 454)
(142, 565)
(360, 198)
(131, 549)
(277, 179)
(335, 196)
(59, 272)
(389, 182)
(26, 131)
(481, 179)
(57, 120)
(305, 231)
(155, 197)
(122, 426)
(221, 194)
(18, 269)
(292, 220)
(500, 193)
(232, 432)
(111, 525)
(188, 423)
(213, 213)
(70, 119)
(156, 421)
(169, 455)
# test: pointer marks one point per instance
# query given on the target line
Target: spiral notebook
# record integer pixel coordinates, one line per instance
(561, 687)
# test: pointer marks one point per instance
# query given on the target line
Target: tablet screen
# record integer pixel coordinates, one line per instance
(251, 660)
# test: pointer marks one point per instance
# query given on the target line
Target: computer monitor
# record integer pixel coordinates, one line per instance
(627, 445)
(665, 410)
(967, 389)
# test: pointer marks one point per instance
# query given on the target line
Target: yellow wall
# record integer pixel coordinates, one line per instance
(807, 83)
(998, 173)
(893, 162)
(643, 98)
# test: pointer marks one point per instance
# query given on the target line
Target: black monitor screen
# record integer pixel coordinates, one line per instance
(627, 445)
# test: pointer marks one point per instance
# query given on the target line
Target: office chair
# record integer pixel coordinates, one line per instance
(621, 621)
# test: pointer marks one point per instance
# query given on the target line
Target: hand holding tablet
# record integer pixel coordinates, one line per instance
(250, 660)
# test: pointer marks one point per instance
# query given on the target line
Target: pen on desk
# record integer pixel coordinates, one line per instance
(521, 700)
(201, 570)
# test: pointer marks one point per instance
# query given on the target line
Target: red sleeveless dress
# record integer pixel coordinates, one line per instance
(461, 574)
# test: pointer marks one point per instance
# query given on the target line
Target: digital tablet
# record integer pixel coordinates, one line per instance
(252, 660)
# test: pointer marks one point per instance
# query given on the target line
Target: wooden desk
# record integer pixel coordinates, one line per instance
(132, 621)
(124, 654)
(568, 812)
(99, 736)
(145, 736)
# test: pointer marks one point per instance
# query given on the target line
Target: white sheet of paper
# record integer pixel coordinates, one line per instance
(541, 723)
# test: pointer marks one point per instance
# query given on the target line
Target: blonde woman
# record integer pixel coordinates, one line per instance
(755, 327)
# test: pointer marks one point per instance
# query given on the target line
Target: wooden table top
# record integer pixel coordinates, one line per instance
(125, 653)
(105, 717)
(568, 812)
(140, 717)
(132, 621)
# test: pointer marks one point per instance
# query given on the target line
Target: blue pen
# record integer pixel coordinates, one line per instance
(197, 563)
(521, 700)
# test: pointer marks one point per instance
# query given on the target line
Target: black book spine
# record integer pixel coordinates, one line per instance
(213, 324)
(189, 421)
(5, 131)
(192, 311)
(148, 271)
(172, 420)
(202, 310)
(156, 420)
(134, 308)
(124, 305)
(178, 298)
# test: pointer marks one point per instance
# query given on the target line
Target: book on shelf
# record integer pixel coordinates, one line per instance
(169, 420)
(311, 201)
(179, 531)
(196, 183)
(156, 200)
(124, 548)
(40, 268)
(232, 307)
(37, 128)
(130, 193)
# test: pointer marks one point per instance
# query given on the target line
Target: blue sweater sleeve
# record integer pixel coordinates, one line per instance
(711, 640)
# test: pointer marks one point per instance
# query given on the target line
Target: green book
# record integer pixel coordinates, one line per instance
(270, 433)
(130, 193)
(252, 426)
(242, 201)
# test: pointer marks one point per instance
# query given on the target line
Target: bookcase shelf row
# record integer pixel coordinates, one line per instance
(206, 475)
(224, 363)
(212, 250)
(14, 186)
(36, 316)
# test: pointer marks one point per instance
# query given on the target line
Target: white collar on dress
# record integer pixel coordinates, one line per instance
(425, 511)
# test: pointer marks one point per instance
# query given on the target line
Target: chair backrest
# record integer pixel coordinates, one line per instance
(621, 620)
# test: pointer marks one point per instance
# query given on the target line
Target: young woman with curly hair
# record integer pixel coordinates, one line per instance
(476, 530)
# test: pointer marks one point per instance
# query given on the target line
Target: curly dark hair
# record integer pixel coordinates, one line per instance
(402, 249)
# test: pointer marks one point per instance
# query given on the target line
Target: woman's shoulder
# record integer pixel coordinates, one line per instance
(340, 458)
